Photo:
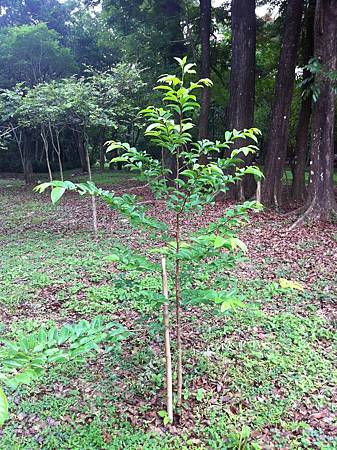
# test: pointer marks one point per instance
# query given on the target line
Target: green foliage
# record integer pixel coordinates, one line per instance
(99, 104)
(27, 359)
(32, 54)
(311, 85)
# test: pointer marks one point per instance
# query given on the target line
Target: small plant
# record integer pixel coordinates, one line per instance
(27, 359)
(185, 189)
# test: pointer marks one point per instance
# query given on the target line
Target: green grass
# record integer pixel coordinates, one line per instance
(248, 372)
(105, 178)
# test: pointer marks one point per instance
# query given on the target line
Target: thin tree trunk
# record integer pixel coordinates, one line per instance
(321, 203)
(59, 154)
(242, 78)
(276, 149)
(101, 152)
(46, 150)
(57, 149)
(167, 341)
(205, 32)
(82, 152)
(36, 157)
(27, 159)
(25, 153)
(302, 134)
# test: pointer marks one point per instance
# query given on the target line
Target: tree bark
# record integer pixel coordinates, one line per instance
(302, 133)
(205, 32)
(276, 149)
(321, 203)
(242, 76)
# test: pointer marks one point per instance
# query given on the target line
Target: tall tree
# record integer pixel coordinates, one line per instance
(205, 33)
(302, 133)
(171, 23)
(242, 77)
(54, 13)
(276, 148)
(32, 54)
(321, 203)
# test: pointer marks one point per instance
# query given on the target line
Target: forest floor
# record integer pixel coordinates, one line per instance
(261, 377)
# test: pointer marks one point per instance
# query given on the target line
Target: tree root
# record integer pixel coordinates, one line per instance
(313, 212)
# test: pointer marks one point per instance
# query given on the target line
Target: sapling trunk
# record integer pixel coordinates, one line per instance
(167, 343)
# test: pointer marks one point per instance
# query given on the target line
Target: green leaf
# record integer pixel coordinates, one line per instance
(25, 377)
(253, 170)
(219, 241)
(166, 420)
(199, 395)
(187, 126)
(236, 242)
(231, 303)
(41, 187)
(288, 284)
(189, 68)
(119, 159)
(113, 258)
(4, 414)
(56, 194)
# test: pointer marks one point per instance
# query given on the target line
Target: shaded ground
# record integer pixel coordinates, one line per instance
(262, 377)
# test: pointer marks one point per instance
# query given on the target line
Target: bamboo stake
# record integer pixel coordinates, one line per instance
(93, 199)
(258, 191)
(167, 340)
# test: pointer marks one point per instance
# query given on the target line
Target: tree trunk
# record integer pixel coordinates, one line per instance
(205, 32)
(101, 154)
(82, 152)
(302, 134)
(27, 158)
(276, 149)
(172, 10)
(242, 76)
(321, 202)
(44, 137)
